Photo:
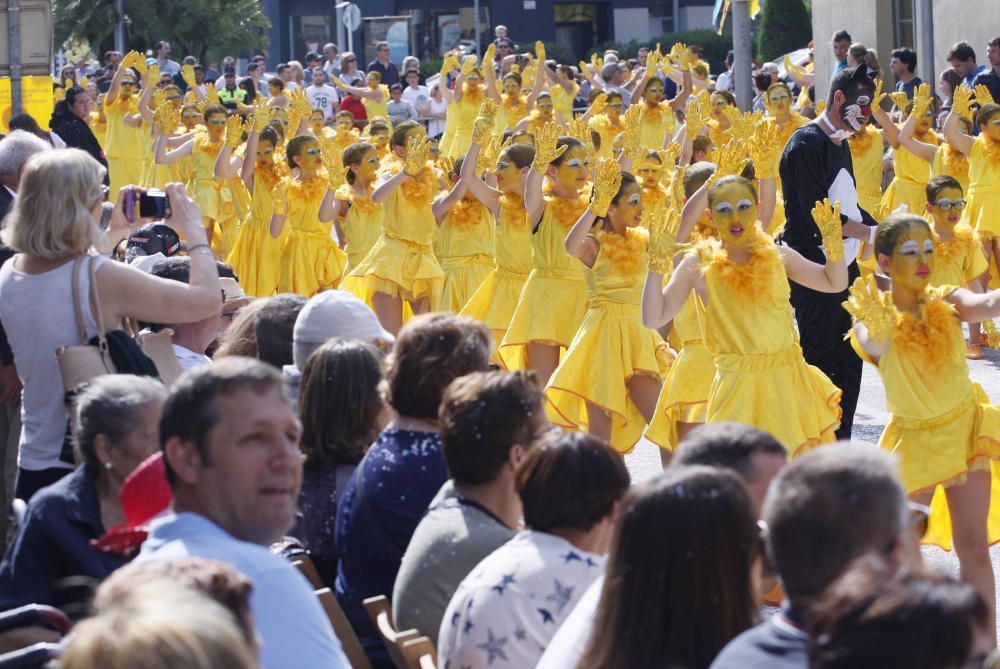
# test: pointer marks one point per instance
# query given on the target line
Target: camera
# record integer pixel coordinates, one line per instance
(151, 204)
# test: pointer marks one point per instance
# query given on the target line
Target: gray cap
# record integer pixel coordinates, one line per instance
(609, 70)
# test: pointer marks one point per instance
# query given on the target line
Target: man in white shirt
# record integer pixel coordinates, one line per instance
(415, 93)
(321, 95)
(331, 60)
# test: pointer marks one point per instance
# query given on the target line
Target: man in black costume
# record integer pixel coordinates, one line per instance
(816, 164)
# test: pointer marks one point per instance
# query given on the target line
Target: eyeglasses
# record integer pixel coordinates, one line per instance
(948, 205)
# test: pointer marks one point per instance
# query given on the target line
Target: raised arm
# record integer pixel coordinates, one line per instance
(164, 157)
(471, 167)
(889, 130)
(661, 303)
(227, 164)
(828, 278)
(129, 60)
(443, 204)
(975, 307)
(450, 63)
(490, 75)
(952, 132)
(545, 153)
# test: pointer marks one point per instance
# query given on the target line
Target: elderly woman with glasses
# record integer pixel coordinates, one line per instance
(349, 72)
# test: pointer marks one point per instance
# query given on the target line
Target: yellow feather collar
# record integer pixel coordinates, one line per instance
(747, 279)
(931, 334)
(513, 212)
(627, 253)
(466, 214)
(955, 163)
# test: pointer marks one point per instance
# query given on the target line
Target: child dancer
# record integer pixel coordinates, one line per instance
(912, 173)
(943, 157)
(360, 220)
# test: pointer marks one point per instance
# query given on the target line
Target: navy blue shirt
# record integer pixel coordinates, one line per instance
(376, 518)
(779, 643)
(54, 542)
(910, 87)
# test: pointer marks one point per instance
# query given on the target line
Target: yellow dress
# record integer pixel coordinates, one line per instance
(612, 345)
(99, 127)
(554, 297)
(608, 130)
(942, 425)
(866, 155)
(795, 121)
(362, 226)
(373, 109)
(122, 147)
(655, 203)
(256, 255)
(958, 260)
(465, 112)
(214, 196)
(655, 125)
(310, 260)
(953, 163)
(465, 247)
(494, 302)
(448, 134)
(907, 187)
(562, 101)
(342, 140)
(513, 109)
(983, 196)
(761, 378)
(402, 262)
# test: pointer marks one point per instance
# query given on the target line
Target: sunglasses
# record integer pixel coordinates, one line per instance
(948, 205)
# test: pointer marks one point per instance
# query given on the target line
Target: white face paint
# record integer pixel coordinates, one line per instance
(910, 247)
(852, 115)
(929, 246)
(635, 199)
(575, 162)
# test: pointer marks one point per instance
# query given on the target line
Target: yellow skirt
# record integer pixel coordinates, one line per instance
(610, 347)
(310, 262)
(776, 392)
(256, 257)
(909, 193)
(493, 304)
(401, 269)
(462, 277)
(123, 172)
(550, 311)
(983, 212)
(684, 398)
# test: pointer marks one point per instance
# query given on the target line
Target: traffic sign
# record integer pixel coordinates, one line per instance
(352, 17)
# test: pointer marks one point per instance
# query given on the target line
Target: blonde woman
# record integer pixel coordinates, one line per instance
(54, 223)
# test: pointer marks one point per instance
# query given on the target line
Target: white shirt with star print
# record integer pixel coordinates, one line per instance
(508, 608)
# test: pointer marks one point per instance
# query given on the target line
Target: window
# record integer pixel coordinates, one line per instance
(310, 33)
(903, 23)
(661, 18)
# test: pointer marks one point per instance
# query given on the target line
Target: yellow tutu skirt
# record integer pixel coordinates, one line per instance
(983, 211)
(937, 453)
(776, 392)
(123, 172)
(401, 269)
(493, 304)
(256, 258)
(684, 398)
(550, 311)
(610, 347)
(310, 262)
(910, 193)
(462, 277)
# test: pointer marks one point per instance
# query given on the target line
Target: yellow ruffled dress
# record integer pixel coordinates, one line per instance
(983, 210)
(342, 140)
(362, 225)
(866, 155)
(214, 196)
(554, 298)
(608, 130)
(402, 261)
(958, 260)
(465, 112)
(761, 378)
(942, 425)
(123, 147)
(655, 125)
(513, 109)
(310, 260)
(954, 163)
(907, 187)
(256, 255)
(720, 136)
(612, 345)
(465, 247)
(494, 301)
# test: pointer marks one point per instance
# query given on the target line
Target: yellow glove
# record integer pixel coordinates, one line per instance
(334, 163)
(696, 116)
(294, 121)
(211, 95)
(448, 64)
(153, 75)
(684, 58)
(515, 68)
(677, 195)
(159, 97)
(597, 62)
(793, 70)
(262, 113)
(669, 156)
(417, 149)
(279, 195)
(598, 105)
(878, 96)
(652, 63)
(484, 123)
(187, 76)
(633, 131)
(827, 219)
(607, 181)
(134, 60)
(764, 149)
(490, 55)
(581, 131)
(921, 100)
(545, 147)
(662, 242)
(881, 211)
(744, 125)
(983, 95)
(540, 52)
(166, 117)
(899, 99)
(961, 101)
(234, 131)
(869, 305)
(300, 103)
(489, 155)
(468, 65)
(730, 159)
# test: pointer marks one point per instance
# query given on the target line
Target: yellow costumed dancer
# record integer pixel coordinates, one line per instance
(513, 106)
(464, 244)
(563, 89)
(610, 378)
(375, 97)
(256, 256)
(310, 260)
(463, 106)
(379, 133)
(402, 266)
(658, 118)
(741, 289)
(943, 158)
(912, 173)
(359, 220)
(554, 298)
(724, 111)
(124, 140)
(345, 133)
(317, 125)
(605, 116)
(778, 101)
(943, 429)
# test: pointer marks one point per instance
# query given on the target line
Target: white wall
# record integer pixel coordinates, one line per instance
(631, 24)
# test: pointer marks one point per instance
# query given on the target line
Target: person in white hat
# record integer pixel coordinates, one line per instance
(331, 313)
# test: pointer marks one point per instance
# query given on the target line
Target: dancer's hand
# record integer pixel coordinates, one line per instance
(677, 188)
(764, 148)
(961, 101)
(745, 125)
(921, 100)
(869, 305)
(983, 95)
(878, 96)
(417, 149)
(545, 147)
(489, 155)
(262, 112)
(490, 55)
(607, 181)
(827, 219)
(598, 105)
(730, 159)
(696, 116)
(662, 243)
(484, 123)
(234, 131)
(280, 197)
(899, 99)
(633, 131)
(334, 163)
(468, 65)
(187, 76)
(211, 95)
(581, 131)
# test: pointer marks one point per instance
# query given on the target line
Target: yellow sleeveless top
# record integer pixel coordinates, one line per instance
(548, 242)
(464, 112)
(562, 101)
(122, 141)
(362, 224)
(513, 237)
(984, 170)
(608, 130)
(408, 214)
(910, 168)
(953, 163)
(866, 155)
(466, 231)
(373, 109)
(304, 200)
(620, 267)
(718, 136)
(655, 125)
(958, 260)
(513, 109)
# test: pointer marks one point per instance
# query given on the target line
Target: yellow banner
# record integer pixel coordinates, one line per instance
(36, 98)
(5, 103)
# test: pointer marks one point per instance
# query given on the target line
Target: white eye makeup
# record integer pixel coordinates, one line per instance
(635, 199)
(723, 208)
(502, 165)
(909, 247)
(575, 162)
(929, 246)
(373, 160)
(744, 205)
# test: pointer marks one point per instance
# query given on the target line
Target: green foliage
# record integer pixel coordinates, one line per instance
(429, 67)
(784, 26)
(207, 29)
(714, 46)
(560, 53)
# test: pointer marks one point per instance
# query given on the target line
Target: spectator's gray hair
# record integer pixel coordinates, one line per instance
(16, 148)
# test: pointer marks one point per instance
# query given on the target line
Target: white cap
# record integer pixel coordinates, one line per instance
(235, 297)
(146, 263)
(337, 313)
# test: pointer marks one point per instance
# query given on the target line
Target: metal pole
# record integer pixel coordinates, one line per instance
(14, 39)
(741, 54)
(341, 29)
(120, 26)
(475, 18)
(925, 38)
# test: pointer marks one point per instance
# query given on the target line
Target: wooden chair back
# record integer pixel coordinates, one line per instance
(380, 611)
(342, 628)
(420, 653)
(304, 564)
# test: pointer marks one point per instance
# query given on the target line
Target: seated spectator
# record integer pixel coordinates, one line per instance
(512, 602)
(876, 615)
(114, 429)
(824, 510)
(488, 421)
(400, 110)
(680, 579)
(396, 481)
(342, 412)
(158, 625)
(330, 314)
(230, 445)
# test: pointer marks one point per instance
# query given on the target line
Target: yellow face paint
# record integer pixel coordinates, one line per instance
(733, 213)
(912, 261)
(574, 170)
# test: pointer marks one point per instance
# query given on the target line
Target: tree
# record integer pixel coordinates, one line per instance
(784, 26)
(201, 28)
